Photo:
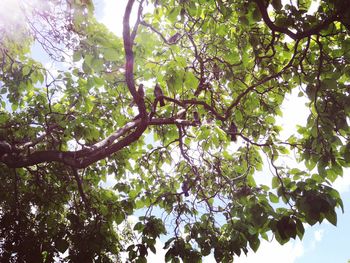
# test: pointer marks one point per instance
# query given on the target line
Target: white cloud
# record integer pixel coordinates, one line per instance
(160, 253)
(209, 259)
(318, 235)
(313, 8)
(273, 252)
(113, 13)
(295, 113)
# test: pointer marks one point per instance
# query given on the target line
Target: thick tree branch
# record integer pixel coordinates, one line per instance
(90, 154)
(129, 60)
(81, 158)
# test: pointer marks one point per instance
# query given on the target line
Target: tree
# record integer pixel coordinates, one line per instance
(223, 69)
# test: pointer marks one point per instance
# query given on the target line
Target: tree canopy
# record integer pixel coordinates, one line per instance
(181, 112)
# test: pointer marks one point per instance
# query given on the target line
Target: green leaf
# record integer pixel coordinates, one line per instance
(172, 15)
(300, 228)
(331, 216)
(254, 244)
(139, 226)
(26, 70)
(14, 107)
(273, 198)
(251, 180)
(153, 249)
(270, 120)
(97, 64)
(77, 56)
(110, 54)
(168, 242)
(275, 182)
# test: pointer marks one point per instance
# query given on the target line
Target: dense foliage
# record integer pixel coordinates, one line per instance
(184, 155)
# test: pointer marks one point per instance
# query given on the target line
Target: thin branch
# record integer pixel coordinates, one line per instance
(252, 87)
(136, 26)
(80, 188)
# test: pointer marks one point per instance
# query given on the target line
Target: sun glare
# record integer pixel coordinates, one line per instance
(11, 16)
(14, 13)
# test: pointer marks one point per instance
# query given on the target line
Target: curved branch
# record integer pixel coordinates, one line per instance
(105, 152)
(296, 36)
(128, 39)
(87, 156)
(81, 158)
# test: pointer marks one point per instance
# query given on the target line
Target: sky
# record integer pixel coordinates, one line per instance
(321, 243)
